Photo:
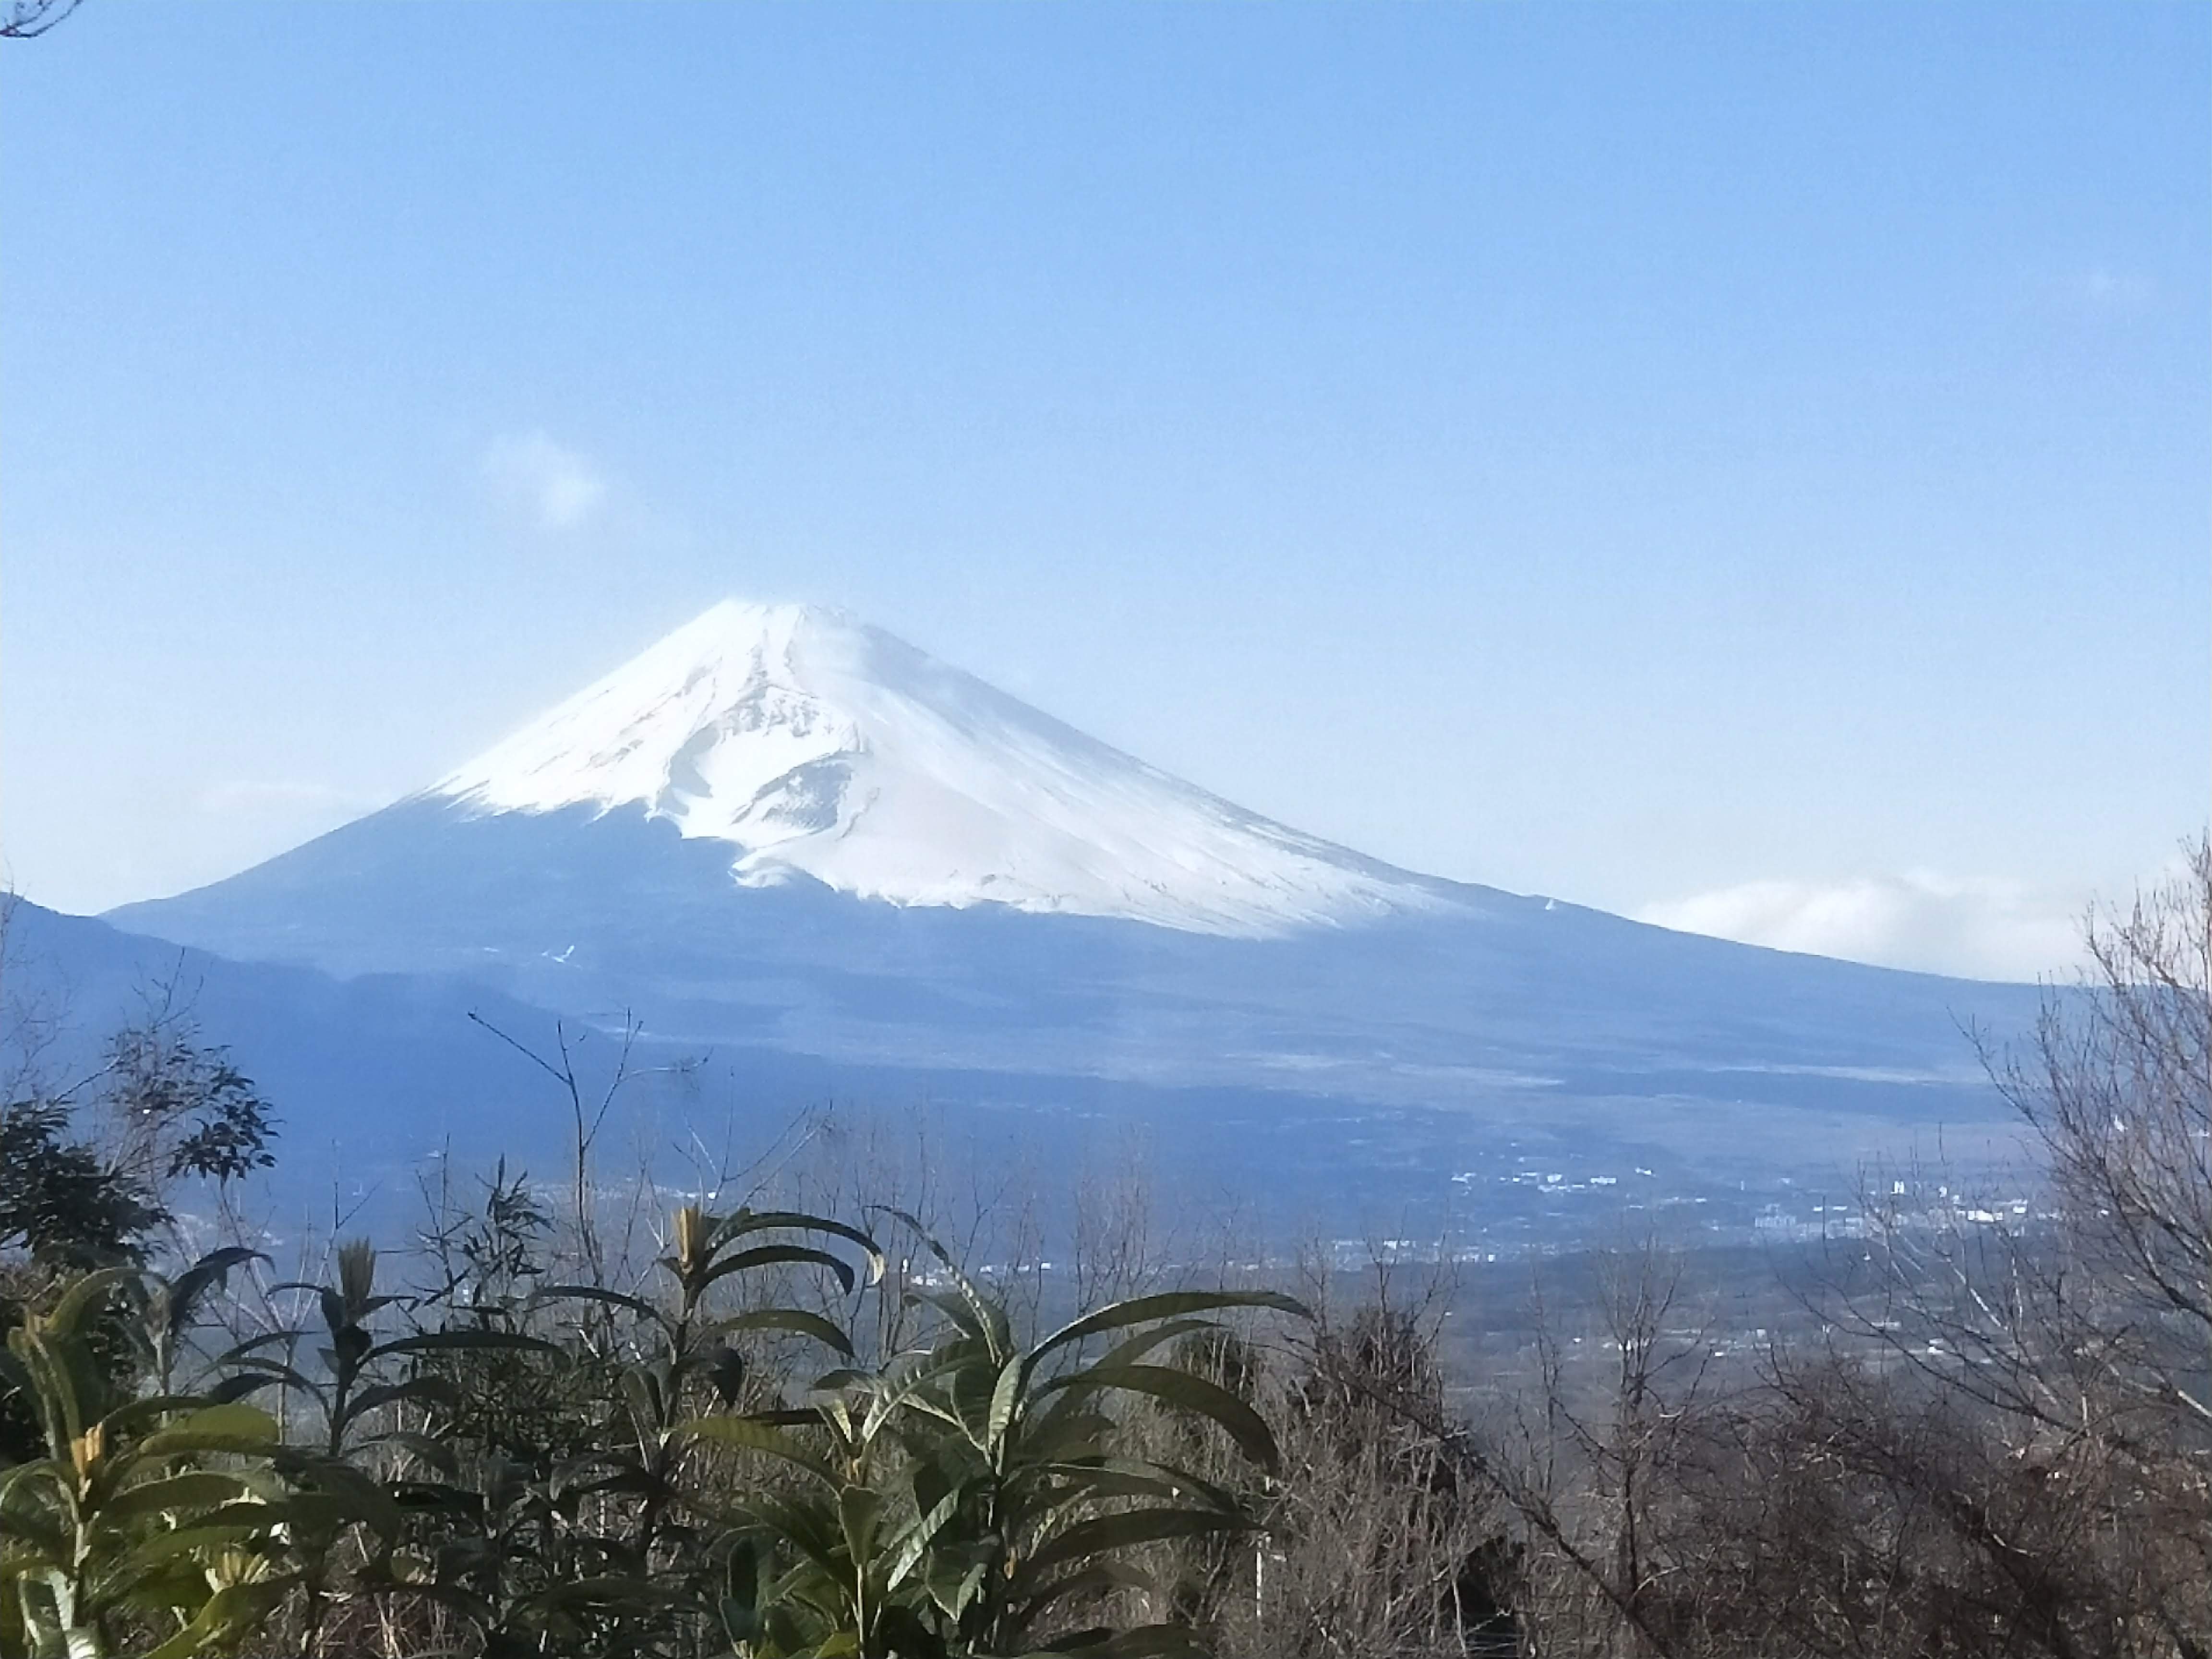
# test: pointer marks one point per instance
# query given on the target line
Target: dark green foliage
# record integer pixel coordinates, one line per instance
(973, 1495)
(141, 1523)
(490, 1257)
(201, 1113)
(61, 1201)
(84, 1172)
(571, 1467)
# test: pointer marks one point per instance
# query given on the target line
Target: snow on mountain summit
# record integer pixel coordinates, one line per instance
(817, 746)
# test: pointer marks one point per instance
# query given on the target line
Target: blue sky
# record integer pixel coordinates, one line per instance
(1751, 466)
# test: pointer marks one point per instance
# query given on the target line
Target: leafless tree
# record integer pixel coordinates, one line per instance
(26, 20)
(2118, 1084)
(1999, 1442)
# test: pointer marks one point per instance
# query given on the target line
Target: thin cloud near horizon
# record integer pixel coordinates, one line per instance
(1970, 927)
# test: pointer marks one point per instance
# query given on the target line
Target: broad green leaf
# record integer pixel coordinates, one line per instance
(791, 1417)
(767, 1255)
(233, 1427)
(912, 1540)
(87, 1297)
(415, 1390)
(637, 1305)
(1005, 1400)
(208, 1533)
(859, 1510)
(750, 1435)
(957, 1308)
(953, 1591)
(1190, 1392)
(614, 1589)
(355, 1495)
(466, 1342)
(1055, 1432)
(227, 1614)
(182, 1294)
(746, 1222)
(269, 1371)
(796, 1320)
(254, 1344)
(1073, 1428)
(1139, 1310)
(1105, 1574)
(1144, 1642)
(60, 1380)
(197, 1489)
(1128, 1477)
(1136, 1347)
(969, 1389)
(432, 1450)
(989, 1321)
(129, 1417)
(1125, 1531)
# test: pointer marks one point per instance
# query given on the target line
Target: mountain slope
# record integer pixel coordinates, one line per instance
(815, 746)
(382, 1081)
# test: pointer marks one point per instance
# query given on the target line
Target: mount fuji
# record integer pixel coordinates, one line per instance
(816, 746)
(784, 835)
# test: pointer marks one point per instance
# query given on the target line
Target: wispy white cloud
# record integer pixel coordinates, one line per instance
(2101, 287)
(2098, 288)
(552, 485)
(1981, 929)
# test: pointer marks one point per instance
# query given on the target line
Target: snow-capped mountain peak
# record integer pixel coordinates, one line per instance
(815, 745)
